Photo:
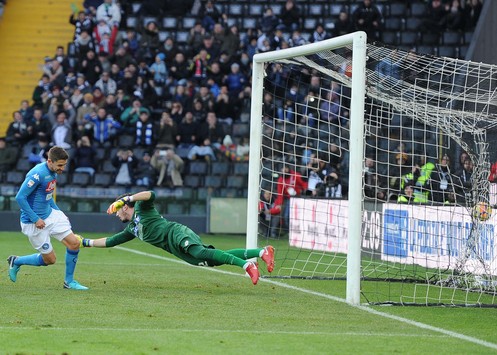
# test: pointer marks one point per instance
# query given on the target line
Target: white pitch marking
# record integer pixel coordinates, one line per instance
(338, 299)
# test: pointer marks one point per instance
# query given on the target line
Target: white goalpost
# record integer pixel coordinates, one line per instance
(358, 41)
(369, 165)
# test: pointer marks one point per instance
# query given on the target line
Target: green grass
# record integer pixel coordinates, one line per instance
(140, 304)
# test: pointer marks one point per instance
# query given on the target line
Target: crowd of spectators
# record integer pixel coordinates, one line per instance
(153, 105)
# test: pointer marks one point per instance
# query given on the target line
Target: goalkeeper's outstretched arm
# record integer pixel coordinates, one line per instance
(109, 242)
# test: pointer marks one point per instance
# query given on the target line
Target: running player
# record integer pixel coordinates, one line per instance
(42, 219)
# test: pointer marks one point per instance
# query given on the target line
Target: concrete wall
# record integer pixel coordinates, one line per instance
(100, 222)
(484, 45)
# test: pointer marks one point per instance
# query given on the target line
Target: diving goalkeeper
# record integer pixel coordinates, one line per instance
(146, 223)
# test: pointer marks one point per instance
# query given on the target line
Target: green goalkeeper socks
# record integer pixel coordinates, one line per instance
(218, 257)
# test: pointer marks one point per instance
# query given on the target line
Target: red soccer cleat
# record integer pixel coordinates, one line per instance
(253, 272)
(268, 257)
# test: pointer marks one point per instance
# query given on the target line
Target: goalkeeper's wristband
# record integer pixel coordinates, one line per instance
(87, 243)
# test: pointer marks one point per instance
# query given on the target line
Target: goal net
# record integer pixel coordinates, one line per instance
(374, 166)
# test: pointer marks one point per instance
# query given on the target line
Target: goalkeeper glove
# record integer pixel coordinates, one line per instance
(84, 242)
(117, 205)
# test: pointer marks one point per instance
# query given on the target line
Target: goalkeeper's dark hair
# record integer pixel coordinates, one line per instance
(130, 204)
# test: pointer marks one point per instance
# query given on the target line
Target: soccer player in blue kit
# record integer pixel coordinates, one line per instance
(42, 219)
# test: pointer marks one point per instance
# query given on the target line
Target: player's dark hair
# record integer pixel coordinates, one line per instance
(130, 204)
(57, 153)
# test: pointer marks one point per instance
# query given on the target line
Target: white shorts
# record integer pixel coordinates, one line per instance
(57, 226)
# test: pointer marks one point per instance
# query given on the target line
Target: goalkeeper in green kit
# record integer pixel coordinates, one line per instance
(146, 223)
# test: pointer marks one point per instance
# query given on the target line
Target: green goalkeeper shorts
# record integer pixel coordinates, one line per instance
(180, 239)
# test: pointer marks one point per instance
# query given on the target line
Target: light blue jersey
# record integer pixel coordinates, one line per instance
(35, 197)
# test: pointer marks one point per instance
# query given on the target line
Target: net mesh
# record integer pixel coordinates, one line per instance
(428, 228)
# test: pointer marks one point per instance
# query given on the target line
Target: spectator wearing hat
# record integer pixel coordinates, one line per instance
(149, 41)
(211, 47)
(159, 71)
(235, 81)
(87, 107)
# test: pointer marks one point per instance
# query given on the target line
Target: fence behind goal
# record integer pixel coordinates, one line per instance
(379, 159)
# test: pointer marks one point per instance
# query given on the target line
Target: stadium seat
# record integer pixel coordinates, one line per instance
(237, 181)
(131, 22)
(125, 140)
(181, 37)
(451, 38)
(398, 9)
(418, 9)
(102, 179)
(62, 179)
(175, 208)
(85, 206)
(249, 22)
(214, 181)
(393, 24)
(446, 51)
(412, 24)
(236, 10)
(107, 167)
(198, 167)
(23, 165)
(315, 10)
(220, 168)
(240, 129)
(390, 37)
(170, 23)
(408, 38)
(192, 181)
(198, 208)
(80, 179)
(335, 9)
(229, 192)
(255, 9)
(15, 177)
(310, 23)
(241, 168)
(188, 22)
(147, 19)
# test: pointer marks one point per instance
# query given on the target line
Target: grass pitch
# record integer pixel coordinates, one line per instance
(145, 301)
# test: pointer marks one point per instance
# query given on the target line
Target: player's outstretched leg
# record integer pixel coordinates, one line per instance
(13, 268)
(252, 270)
(267, 255)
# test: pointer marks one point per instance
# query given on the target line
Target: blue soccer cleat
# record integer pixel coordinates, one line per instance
(74, 285)
(13, 269)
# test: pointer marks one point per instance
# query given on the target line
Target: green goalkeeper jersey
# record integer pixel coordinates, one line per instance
(149, 226)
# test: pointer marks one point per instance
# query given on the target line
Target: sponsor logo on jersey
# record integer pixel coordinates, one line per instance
(45, 246)
(51, 186)
(31, 183)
